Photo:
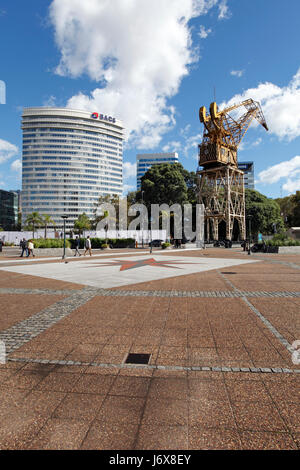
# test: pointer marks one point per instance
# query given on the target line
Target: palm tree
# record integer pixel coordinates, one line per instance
(47, 220)
(82, 223)
(32, 221)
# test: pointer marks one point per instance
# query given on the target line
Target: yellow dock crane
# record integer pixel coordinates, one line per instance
(221, 183)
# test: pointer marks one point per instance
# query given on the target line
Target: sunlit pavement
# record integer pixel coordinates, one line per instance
(218, 326)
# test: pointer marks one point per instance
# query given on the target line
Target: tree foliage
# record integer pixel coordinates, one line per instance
(82, 223)
(290, 209)
(264, 212)
(164, 184)
(33, 221)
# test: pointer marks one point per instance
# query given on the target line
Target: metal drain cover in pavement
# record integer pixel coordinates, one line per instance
(227, 272)
(133, 358)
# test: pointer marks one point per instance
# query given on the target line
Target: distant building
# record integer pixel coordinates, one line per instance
(70, 158)
(9, 207)
(146, 160)
(248, 169)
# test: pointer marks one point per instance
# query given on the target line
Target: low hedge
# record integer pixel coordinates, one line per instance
(50, 243)
(282, 240)
(99, 242)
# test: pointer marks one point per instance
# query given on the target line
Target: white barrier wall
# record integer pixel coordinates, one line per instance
(138, 235)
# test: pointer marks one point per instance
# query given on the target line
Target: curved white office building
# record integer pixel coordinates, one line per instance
(70, 158)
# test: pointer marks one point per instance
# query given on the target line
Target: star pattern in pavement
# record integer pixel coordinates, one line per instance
(125, 265)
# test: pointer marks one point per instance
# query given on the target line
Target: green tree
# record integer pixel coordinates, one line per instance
(33, 221)
(265, 213)
(296, 214)
(47, 220)
(82, 223)
(164, 184)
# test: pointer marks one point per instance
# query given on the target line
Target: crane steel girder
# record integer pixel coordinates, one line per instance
(221, 190)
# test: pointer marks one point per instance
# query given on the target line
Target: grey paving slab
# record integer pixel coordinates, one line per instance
(110, 273)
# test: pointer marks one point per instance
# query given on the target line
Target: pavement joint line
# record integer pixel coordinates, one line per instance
(24, 331)
(266, 322)
(254, 370)
(275, 261)
(151, 293)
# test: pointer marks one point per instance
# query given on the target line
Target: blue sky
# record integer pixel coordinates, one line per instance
(153, 63)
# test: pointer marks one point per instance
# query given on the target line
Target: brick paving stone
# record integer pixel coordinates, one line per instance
(220, 375)
(60, 434)
(201, 438)
(110, 436)
(162, 437)
(267, 441)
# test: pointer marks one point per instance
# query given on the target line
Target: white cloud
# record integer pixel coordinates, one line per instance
(173, 146)
(291, 186)
(16, 166)
(191, 146)
(257, 142)
(203, 33)
(7, 150)
(127, 188)
(224, 12)
(288, 170)
(137, 50)
(50, 102)
(280, 106)
(237, 73)
(129, 170)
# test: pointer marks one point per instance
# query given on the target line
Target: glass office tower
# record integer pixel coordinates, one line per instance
(145, 161)
(70, 158)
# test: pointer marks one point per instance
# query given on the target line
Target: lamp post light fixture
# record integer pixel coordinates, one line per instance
(65, 218)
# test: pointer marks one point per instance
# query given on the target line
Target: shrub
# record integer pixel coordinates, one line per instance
(113, 242)
(281, 239)
(165, 245)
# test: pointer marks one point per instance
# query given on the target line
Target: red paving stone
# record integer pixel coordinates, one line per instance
(15, 308)
(90, 407)
(22, 281)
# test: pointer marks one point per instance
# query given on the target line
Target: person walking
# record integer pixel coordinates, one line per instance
(88, 246)
(77, 244)
(1, 244)
(30, 248)
(23, 245)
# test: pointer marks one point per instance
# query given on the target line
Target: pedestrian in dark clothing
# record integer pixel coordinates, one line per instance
(1, 243)
(77, 243)
(23, 245)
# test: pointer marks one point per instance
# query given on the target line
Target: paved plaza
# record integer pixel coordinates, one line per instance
(218, 328)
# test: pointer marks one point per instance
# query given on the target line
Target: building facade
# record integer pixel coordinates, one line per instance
(9, 207)
(70, 158)
(146, 160)
(248, 169)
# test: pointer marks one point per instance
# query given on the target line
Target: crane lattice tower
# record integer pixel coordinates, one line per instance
(221, 183)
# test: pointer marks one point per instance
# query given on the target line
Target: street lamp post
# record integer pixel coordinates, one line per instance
(65, 218)
(249, 245)
(143, 220)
